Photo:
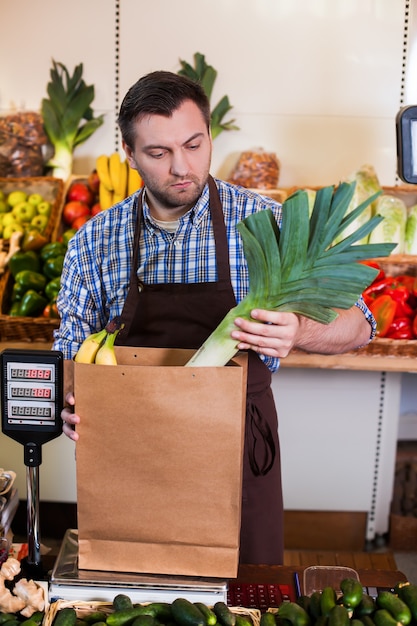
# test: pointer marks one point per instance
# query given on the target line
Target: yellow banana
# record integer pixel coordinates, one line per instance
(90, 346)
(114, 169)
(105, 197)
(120, 186)
(106, 354)
(134, 181)
(103, 171)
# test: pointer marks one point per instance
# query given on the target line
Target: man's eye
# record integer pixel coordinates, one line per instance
(157, 154)
(193, 146)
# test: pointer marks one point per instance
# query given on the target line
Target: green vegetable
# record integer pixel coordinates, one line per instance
(297, 268)
(410, 242)
(397, 607)
(185, 613)
(32, 304)
(392, 228)
(366, 186)
(65, 617)
(52, 268)
(31, 280)
(209, 615)
(24, 261)
(206, 76)
(121, 601)
(408, 593)
(328, 600)
(52, 249)
(294, 613)
(67, 115)
(52, 289)
(352, 591)
(382, 617)
(339, 616)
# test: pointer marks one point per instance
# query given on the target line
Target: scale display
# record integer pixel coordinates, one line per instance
(32, 394)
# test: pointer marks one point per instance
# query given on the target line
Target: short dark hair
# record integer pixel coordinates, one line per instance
(159, 93)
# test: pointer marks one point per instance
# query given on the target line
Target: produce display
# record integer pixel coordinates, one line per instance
(179, 612)
(352, 607)
(393, 302)
(36, 278)
(24, 213)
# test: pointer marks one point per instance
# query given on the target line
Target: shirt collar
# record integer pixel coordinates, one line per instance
(195, 214)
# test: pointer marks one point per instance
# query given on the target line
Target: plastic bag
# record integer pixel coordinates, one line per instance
(23, 145)
(256, 169)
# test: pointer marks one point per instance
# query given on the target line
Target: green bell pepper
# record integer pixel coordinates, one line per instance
(32, 304)
(52, 249)
(24, 261)
(18, 291)
(31, 280)
(15, 309)
(53, 287)
(52, 267)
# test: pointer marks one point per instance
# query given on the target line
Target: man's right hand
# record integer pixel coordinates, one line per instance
(69, 418)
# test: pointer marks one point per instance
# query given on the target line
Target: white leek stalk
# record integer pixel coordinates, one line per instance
(298, 268)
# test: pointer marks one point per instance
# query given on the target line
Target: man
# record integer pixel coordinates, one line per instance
(169, 261)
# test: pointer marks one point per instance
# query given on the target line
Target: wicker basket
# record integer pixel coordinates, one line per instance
(83, 609)
(21, 329)
(51, 189)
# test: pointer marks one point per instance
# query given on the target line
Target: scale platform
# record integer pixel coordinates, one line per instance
(67, 582)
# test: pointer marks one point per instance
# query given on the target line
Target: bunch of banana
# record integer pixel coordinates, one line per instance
(99, 347)
(117, 179)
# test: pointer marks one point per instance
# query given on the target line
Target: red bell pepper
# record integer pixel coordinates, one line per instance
(383, 309)
(400, 328)
(376, 288)
(375, 265)
(401, 294)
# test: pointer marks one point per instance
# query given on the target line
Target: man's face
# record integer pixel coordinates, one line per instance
(172, 155)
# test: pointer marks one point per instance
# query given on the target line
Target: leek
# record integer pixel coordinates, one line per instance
(67, 116)
(298, 268)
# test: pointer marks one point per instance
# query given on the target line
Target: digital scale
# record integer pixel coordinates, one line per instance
(31, 405)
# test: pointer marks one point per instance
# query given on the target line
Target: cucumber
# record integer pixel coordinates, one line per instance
(209, 615)
(354, 621)
(161, 611)
(382, 617)
(95, 617)
(294, 613)
(243, 620)
(321, 620)
(121, 602)
(339, 616)
(352, 592)
(65, 617)
(121, 618)
(367, 620)
(304, 601)
(224, 615)
(145, 620)
(268, 619)
(328, 600)
(314, 608)
(6, 617)
(397, 607)
(185, 613)
(365, 607)
(408, 594)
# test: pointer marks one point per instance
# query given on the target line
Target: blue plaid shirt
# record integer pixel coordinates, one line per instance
(95, 277)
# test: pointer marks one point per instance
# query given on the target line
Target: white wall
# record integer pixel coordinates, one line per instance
(318, 82)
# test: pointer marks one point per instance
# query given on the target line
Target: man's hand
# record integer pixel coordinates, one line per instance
(275, 337)
(69, 418)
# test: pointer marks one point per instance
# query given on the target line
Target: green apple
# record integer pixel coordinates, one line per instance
(40, 222)
(35, 199)
(12, 228)
(4, 207)
(8, 218)
(44, 208)
(15, 197)
(24, 212)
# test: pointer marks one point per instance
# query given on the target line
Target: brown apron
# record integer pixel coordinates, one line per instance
(182, 316)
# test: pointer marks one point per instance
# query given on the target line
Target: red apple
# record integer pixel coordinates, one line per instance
(96, 208)
(80, 221)
(74, 209)
(93, 182)
(80, 192)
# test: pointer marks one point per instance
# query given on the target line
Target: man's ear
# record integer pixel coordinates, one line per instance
(129, 155)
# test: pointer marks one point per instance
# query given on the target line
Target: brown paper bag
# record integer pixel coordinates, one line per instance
(159, 464)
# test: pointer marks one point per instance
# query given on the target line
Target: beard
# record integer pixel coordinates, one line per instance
(170, 197)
